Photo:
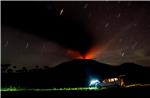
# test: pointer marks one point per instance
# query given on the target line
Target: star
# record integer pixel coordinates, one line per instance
(135, 24)
(86, 5)
(122, 54)
(134, 45)
(118, 15)
(27, 45)
(61, 11)
(106, 25)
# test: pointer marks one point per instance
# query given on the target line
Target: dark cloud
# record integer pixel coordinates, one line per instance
(39, 52)
(35, 18)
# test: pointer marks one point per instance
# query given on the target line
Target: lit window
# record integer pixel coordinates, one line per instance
(115, 79)
(112, 80)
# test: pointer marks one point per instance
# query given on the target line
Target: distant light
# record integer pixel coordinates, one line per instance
(94, 83)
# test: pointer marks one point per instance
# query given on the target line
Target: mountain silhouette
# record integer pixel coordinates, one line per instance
(79, 71)
(76, 73)
(82, 70)
(87, 67)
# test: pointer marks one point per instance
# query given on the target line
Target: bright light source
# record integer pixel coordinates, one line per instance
(112, 80)
(94, 83)
(116, 79)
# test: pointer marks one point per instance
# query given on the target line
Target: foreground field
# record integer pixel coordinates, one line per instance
(130, 90)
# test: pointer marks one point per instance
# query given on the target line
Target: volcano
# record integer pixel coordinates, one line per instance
(84, 66)
(79, 71)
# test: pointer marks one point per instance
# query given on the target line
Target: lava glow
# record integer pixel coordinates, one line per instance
(75, 54)
(91, 54)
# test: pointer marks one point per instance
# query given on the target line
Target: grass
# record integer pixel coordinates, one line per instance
(11, 89)
(133, 85)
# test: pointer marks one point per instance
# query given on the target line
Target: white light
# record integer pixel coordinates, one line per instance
(94, 82)
(115, 79)
(112, 80)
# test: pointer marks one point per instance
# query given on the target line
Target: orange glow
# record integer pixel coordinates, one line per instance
(91, 54)
(75, 54)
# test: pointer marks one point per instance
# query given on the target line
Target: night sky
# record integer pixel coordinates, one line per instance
(49, 33)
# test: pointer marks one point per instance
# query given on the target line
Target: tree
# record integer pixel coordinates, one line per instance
(24, 69)
(5, 67)
(9, 71)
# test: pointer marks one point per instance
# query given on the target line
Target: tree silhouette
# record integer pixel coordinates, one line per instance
(5, 67)
(24, 69)
(9, 71)
(46, 69)
(14, 67)
(37, 66)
